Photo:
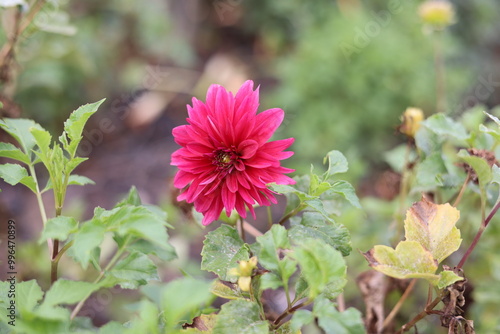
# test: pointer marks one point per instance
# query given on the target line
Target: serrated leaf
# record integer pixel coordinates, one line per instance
(409, 260)
(321, 264)
(335, 322)
(134, 270)
(315, 226)
(273, 243)
(337, 163)
(301, 318)
(447, 277)
(59, 228)
(429, 172)
(8, 150)
(79, 180)
(433, 226)
(42, 138)
(132, 198)
(68, 292)
(345, 189)
(445, 126)
(240, 316)
(286, 190)
(74, 125)
(222, 249)
(86, 240)
(28, 294)
(480, 166)
(181, 299)
(226, 290)
(14, 174)
(20, 130)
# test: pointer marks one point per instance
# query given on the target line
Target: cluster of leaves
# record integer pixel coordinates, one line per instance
(305, 260)
(138, 230)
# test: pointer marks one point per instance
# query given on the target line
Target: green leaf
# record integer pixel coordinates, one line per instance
(42, 138)
(134, 270)
(147, 320)
(430, 171)
(271, 255)
(315, 226)
(447, 277)
(86, 240)
(322, 266)
(68, 292)
(409, 260)
(14, 174)
(445, 126)
(79, 180)
(20, 130)
(226, 290)
(222, 249)
(433, 226)
(337, 163)
(480, 166)
(240, 316)
(59, 228)
(28, 294)
(141, 222)
(163, 253)
(345, 189)
(285, 189)
(335, 322)
(74, 125)
(8, 150)
(132, 198)
(181, 299)
(301, 318)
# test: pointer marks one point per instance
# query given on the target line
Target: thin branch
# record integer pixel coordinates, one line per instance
(462, 190)
(478, 235)
(289, 311)
(427, 310)
(398, 305)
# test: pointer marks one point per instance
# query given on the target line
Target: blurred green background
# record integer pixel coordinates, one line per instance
(343, 71)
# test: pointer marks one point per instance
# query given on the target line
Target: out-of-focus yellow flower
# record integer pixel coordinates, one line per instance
(244, 272)
(437, 13)
(411, 119)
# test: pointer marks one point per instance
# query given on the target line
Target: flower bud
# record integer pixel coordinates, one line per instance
(244, 271)
(437, 13)
(411, 120)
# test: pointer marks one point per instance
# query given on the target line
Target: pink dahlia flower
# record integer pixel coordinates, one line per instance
(226, 160)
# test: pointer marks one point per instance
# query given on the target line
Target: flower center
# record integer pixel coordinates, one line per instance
(224, 159)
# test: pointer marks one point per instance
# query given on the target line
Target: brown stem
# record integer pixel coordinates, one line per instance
(427, 310)
(53, 262)
(462, 190)
(398, 305)
(478, 235)
(289, 311)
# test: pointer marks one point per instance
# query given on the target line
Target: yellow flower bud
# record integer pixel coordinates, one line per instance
(437, 13)
(244, 283)
(411, 120)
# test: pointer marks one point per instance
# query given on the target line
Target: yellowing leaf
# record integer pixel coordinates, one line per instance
(408, 260)
(433, 226)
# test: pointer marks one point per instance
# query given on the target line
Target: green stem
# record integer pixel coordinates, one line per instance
(269, 217)
(291, 214)
(108, 267)
(38, 195)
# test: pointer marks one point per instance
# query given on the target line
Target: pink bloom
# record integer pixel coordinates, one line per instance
(225, 161)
